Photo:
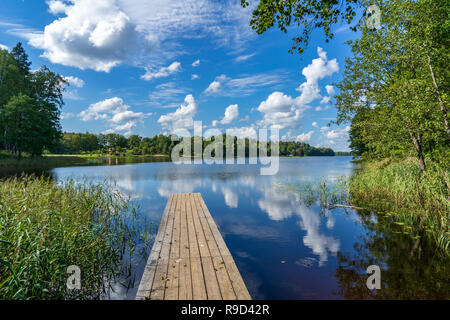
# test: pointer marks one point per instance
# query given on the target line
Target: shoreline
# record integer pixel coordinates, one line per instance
(11, 163)
(161, 156)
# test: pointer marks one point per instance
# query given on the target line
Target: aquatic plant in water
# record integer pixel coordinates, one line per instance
(47, 227)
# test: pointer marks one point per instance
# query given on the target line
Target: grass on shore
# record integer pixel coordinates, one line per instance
(416, 200)
(47, 227)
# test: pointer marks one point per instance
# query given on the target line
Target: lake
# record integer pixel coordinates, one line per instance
(283, 248)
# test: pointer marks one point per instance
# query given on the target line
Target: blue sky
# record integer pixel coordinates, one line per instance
(150, 67)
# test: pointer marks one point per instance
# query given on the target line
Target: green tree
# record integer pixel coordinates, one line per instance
(134, 141)
(89, 142)
(388, 79)
(47, 90)
(307, 15)
(17, 86)
(20, 118)
(431, 29)
(21, 58)
(357, 133)
(113, 140)
(9, 77)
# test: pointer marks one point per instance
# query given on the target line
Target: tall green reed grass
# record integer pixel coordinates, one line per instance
(325, 193)
(418, 204)
(416, 200)
(46, 227)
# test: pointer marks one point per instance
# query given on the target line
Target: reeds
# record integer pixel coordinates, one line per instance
(46, 227)
(417, 203)
(417, 200)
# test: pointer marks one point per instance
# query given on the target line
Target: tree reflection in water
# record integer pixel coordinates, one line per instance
(411, 267)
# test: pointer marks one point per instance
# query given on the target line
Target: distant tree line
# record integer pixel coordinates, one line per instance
(79, 143)
(301, 149)
(30, 104)
(83, 143)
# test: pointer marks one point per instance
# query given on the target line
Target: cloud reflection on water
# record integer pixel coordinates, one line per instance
(276, 204)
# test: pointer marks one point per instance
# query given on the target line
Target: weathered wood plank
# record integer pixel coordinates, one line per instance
(198, 280)
(185, 292)
(159, 283)
(211, 283)
(148, 276)
(172, 284)
(238, 283)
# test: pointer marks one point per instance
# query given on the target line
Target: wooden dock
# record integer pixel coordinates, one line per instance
(189, 259)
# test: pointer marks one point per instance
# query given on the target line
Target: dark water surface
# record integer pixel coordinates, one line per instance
(283, 248)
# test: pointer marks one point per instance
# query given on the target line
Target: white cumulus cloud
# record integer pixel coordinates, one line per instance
(92, 35)
(56, 7)
(116, 113)
(325, 100)
(283, 111)
(338, 133)
(213, 87)
(173, 68)
(74, 81)
(304, 137)
(336, 138)
(67, 115)
(126, 116)
(101, 34)
(100, 110)
(182, 119)
(231, 114)
(319, 68)
(330, 90)
(243, 132)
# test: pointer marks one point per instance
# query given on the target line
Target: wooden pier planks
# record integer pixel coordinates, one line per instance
(189, 259)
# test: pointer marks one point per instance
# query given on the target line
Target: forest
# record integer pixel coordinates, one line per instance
(135, 145)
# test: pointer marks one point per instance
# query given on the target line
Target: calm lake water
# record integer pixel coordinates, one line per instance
(283, 248)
